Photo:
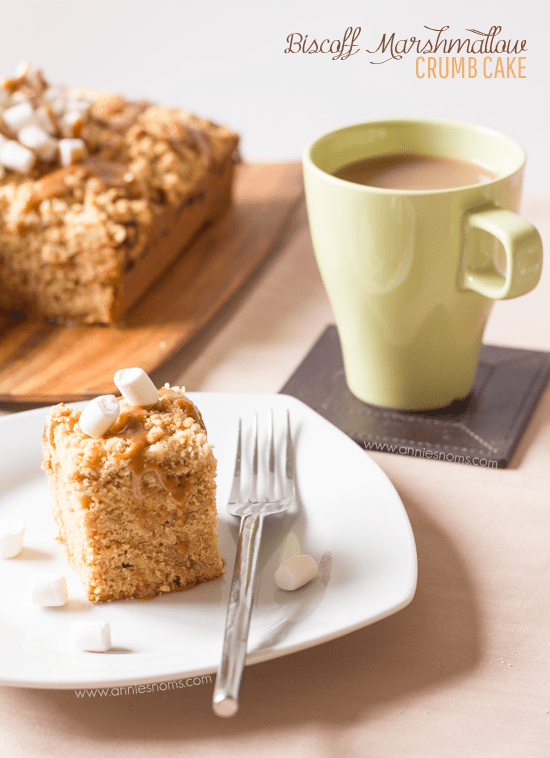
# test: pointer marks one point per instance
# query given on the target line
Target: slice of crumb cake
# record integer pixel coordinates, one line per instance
(136, 506)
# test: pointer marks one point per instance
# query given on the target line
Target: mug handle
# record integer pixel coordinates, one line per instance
(522, 244)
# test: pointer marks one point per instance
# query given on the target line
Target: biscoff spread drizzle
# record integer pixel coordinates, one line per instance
(130, 426)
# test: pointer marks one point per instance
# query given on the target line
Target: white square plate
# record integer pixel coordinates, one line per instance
(348, 517)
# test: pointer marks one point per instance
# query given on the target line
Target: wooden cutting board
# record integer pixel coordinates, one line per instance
(42, 362)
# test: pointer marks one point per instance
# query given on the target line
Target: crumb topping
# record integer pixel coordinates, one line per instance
(168, 437)
(138, 158)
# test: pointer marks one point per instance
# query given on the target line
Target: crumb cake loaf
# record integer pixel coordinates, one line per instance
(98, 195)
(136, 507)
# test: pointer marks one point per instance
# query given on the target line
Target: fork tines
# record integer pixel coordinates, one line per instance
(257, 477)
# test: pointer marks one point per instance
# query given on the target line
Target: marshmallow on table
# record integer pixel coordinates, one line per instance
(17, 157)
(136, 387)
(295, 572)
(12, 531)
(92, 636)
(99, 415)
(35, 138)
(71, 150)
(19, 115)
(48, 590)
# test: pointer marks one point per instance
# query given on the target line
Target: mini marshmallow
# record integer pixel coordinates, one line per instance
(73, 104)
(92, 636)
(71, 150)
(53, 93)
(17, 157)
(22, 69)
(55, 97)
(48, 590)
(71, 123)
(35, 138)
(18, 97)
(295, 572)
(43, 118)
(12, 531)
(19, 115)
(31, 73)
(99, 415)
(136, 387)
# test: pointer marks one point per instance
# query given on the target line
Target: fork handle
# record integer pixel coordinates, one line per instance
(237, 622)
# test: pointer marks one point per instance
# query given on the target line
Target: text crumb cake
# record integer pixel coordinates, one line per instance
(136, 503)
(98, 195)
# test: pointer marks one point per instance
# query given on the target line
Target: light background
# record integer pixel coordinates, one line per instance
(225, 60)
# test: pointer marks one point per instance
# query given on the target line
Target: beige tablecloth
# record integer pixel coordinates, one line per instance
(464, 670)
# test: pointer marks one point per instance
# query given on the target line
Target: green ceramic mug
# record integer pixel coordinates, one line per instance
(412, 274)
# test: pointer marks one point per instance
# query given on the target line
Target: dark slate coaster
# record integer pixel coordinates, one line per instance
(484, 429)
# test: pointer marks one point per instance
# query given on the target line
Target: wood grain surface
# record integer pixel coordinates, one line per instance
(45, 362)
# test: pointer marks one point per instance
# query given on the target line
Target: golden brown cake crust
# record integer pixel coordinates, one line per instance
(137, 507)
(70, 237)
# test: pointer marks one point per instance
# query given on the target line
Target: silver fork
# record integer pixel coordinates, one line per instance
(251, 512)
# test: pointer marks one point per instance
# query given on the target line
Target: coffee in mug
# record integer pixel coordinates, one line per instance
(407, 220)
(411, 171)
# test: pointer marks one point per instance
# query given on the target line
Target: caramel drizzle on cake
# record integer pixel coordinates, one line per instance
(130, 426)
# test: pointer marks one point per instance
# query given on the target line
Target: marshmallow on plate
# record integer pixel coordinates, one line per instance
(48, 590)
(295, 572)
(91, 636)
(12, 531)
(99, 415)
(136, 386)
(17, 157)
